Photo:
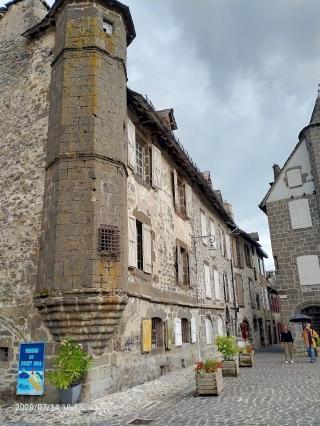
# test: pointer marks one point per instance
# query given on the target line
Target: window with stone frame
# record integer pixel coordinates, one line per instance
(186, 328)
(182, 196)
(247, 255)
(140, 245)
(157, 333)
(182, 265)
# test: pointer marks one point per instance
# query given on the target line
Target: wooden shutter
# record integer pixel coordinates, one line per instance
(176, 197)
(132, 256)
(177, 332)
(220, 326)
(146, 335)
(208, 327)
(131, 144)
(213, 241)
(207, 281)
(169, 330)
(228, 247)
(300, 214)
(229, 284)
(234, 251)
(203, 221)
(147, 256)
(193, 330)
(240, 293)
(216, 285)
(189, 203)
(179, 265)
(156, 167)
(309, 270)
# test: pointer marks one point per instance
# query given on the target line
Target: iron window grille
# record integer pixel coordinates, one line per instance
(109, 241)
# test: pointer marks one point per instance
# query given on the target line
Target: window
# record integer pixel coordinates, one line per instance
(185, 325)
(140, 255)
(258, 302)
(182, 196)
(239, 288)
(255, 273)
(252, 293)
(309, 270)
(157, 336)
(203, 221)
(247, 255)
(255, 323)
(294, 178)
(140, 160)
(216, 285)
(212, 238)
(207, 280)
(261, 266)
(209, 331)
(107, 27)
(109, 240)
(276, 264)
(300, 214)
(182, 265)
(4, 354)
(178, 332)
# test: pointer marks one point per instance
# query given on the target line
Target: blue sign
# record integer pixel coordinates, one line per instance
(31, 369)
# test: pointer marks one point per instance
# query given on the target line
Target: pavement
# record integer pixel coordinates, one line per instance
(270, 393)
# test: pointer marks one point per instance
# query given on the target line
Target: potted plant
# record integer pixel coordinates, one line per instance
(71, 365)
(246, 355)
(228, 347)
(209, 379)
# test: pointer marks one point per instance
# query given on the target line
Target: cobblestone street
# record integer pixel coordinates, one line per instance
(271, 393)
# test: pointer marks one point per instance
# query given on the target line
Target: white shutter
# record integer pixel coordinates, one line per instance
(132, 234)
(216, 285)
(156, 167)
(177, 332)
(203, 227)
(193, 330)
(213, 241)
(309, 270)
(300, 214)
(131, 144)
(146, 239)
(189, 204)
(207, 281)
(222, 248)
(267, 299)
(228, 247)
(220, 327)
(208, 327)
(229, 284)
(294, 178)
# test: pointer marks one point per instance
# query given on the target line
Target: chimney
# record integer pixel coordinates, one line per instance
(167, 116)
(276, 171)
(207, 178)
(228, 208)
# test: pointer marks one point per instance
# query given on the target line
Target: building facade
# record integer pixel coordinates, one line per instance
(292, 207)
(110, 234)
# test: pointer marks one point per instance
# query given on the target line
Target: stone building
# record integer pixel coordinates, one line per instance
(292, 207)
(110, 234)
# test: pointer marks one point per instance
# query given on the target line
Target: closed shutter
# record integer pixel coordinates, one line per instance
(294, 178)
(175, 190)
(229, 285)
(131, 144)
(203, 228)
(146, 335)
(220, 326)
(234, 251)
(193, 330)
(147, 255)
(189, 203)
(168, 333)
(179, 265)
(177, 332)
(212, 239)
(207, 281)
(240, 294)
(309, 270)
(300, 214)
(156, 167)
(216, 285)
(132, 257)
(267, 299)
(228, 247)
(208, 328)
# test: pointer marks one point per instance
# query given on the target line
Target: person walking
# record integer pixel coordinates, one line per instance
(309, 337)
(287, 344)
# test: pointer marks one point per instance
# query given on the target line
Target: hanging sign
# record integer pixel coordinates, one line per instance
(31, 369)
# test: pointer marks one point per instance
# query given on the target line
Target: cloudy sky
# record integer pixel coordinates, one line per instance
(242, 77)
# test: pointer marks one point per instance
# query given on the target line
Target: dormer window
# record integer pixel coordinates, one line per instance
(107, 27)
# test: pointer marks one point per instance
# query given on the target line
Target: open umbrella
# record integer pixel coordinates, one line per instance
(300, 318)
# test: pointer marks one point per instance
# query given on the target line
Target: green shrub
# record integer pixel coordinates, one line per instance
(227, 345)
(71, 364)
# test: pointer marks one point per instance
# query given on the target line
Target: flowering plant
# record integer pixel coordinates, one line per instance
(247, 349)
(71, 364)
(208, 366)
(227, 346)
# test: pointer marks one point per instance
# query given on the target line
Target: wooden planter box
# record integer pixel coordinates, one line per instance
(246, 360)
(210, 383)
(231, 368)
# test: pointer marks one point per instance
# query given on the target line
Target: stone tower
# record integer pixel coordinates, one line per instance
(82, 274)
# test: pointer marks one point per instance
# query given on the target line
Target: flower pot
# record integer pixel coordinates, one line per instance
(209, 383)
(70, 396)
(246, 360)
(230, 368)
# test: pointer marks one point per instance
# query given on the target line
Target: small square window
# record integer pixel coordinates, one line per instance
(107, 27)
(4, 354)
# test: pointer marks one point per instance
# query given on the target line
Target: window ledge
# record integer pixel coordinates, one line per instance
(182, 216)
(140, 181)
(140, 274)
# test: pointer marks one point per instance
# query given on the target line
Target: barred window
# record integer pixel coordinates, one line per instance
(109, 240)
(157, 333)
